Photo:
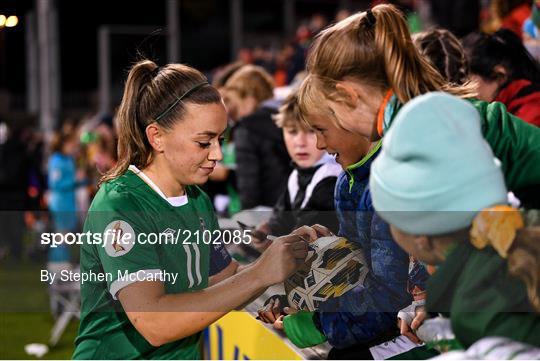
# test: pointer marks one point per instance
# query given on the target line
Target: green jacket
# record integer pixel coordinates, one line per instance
(513, 141)
(482, 298)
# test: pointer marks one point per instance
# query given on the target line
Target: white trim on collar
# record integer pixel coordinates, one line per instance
(173, 201)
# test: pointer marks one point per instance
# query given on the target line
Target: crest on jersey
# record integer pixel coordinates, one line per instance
(119, 238)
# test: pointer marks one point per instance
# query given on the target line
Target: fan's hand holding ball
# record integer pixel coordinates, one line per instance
(273, 309)
(278, 323)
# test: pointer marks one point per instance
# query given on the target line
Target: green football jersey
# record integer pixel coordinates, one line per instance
(131, 214)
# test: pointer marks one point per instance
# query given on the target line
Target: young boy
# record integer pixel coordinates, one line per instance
(309, 197)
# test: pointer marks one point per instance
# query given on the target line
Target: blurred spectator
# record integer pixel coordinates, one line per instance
(245, 56)
(317, 23)
(106, 156)
(531, 31)
(14, 179)
(63, 181)
(221, 185)
(505, 72)
(512, 14)
(461, 17)
(296, 59)
(342, 14)
(98, 151)
(223, 74)
(284, 62)
(444, 51)
(262, 160)
(37, 179)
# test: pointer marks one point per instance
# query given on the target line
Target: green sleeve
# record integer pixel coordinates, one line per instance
(490, 302)
(514, 142)
(301, 329)
(518, 326)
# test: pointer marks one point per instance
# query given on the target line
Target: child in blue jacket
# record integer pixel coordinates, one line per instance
(366, 315)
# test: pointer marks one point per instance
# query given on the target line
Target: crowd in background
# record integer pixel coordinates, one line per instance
(273, 161)
(41, 177)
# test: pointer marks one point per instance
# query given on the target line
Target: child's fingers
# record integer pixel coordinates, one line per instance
(419, 318)
(276, 310)
(403, 327)
(321, 230)
(406, 331)
(266, 313)
(411, 336)
(262, 317)
(269, 311)
(290, 310)
(278, 324)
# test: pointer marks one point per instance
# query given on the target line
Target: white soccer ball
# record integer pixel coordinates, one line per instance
(333, 266)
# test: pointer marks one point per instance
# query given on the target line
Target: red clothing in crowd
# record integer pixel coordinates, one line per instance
(514, 21)
(522, 98)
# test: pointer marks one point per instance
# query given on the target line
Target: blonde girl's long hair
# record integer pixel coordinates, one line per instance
(377, 50)
(149, 92)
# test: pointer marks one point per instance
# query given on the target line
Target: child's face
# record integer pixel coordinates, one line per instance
(302, 146)
(420, 247)
(347, 147)
(71, 147)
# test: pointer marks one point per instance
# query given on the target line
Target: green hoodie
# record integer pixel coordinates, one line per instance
(475, 288)
(513, 141)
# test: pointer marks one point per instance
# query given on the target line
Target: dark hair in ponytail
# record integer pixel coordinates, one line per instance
(148, 93)
(504, 48)
(444, 51)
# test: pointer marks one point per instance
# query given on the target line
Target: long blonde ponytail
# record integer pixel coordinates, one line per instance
(378, 51)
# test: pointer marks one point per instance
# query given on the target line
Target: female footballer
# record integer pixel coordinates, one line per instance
(169, 125)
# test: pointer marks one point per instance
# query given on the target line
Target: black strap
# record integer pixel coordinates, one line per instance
(371, 20)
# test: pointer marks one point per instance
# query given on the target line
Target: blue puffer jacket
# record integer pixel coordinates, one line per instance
(369, 311)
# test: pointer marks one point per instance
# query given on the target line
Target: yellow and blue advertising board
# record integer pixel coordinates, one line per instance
(239, 336)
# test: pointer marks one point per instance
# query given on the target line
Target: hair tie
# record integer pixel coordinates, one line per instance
(496, 226)
(155, 72)
(371, 20)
